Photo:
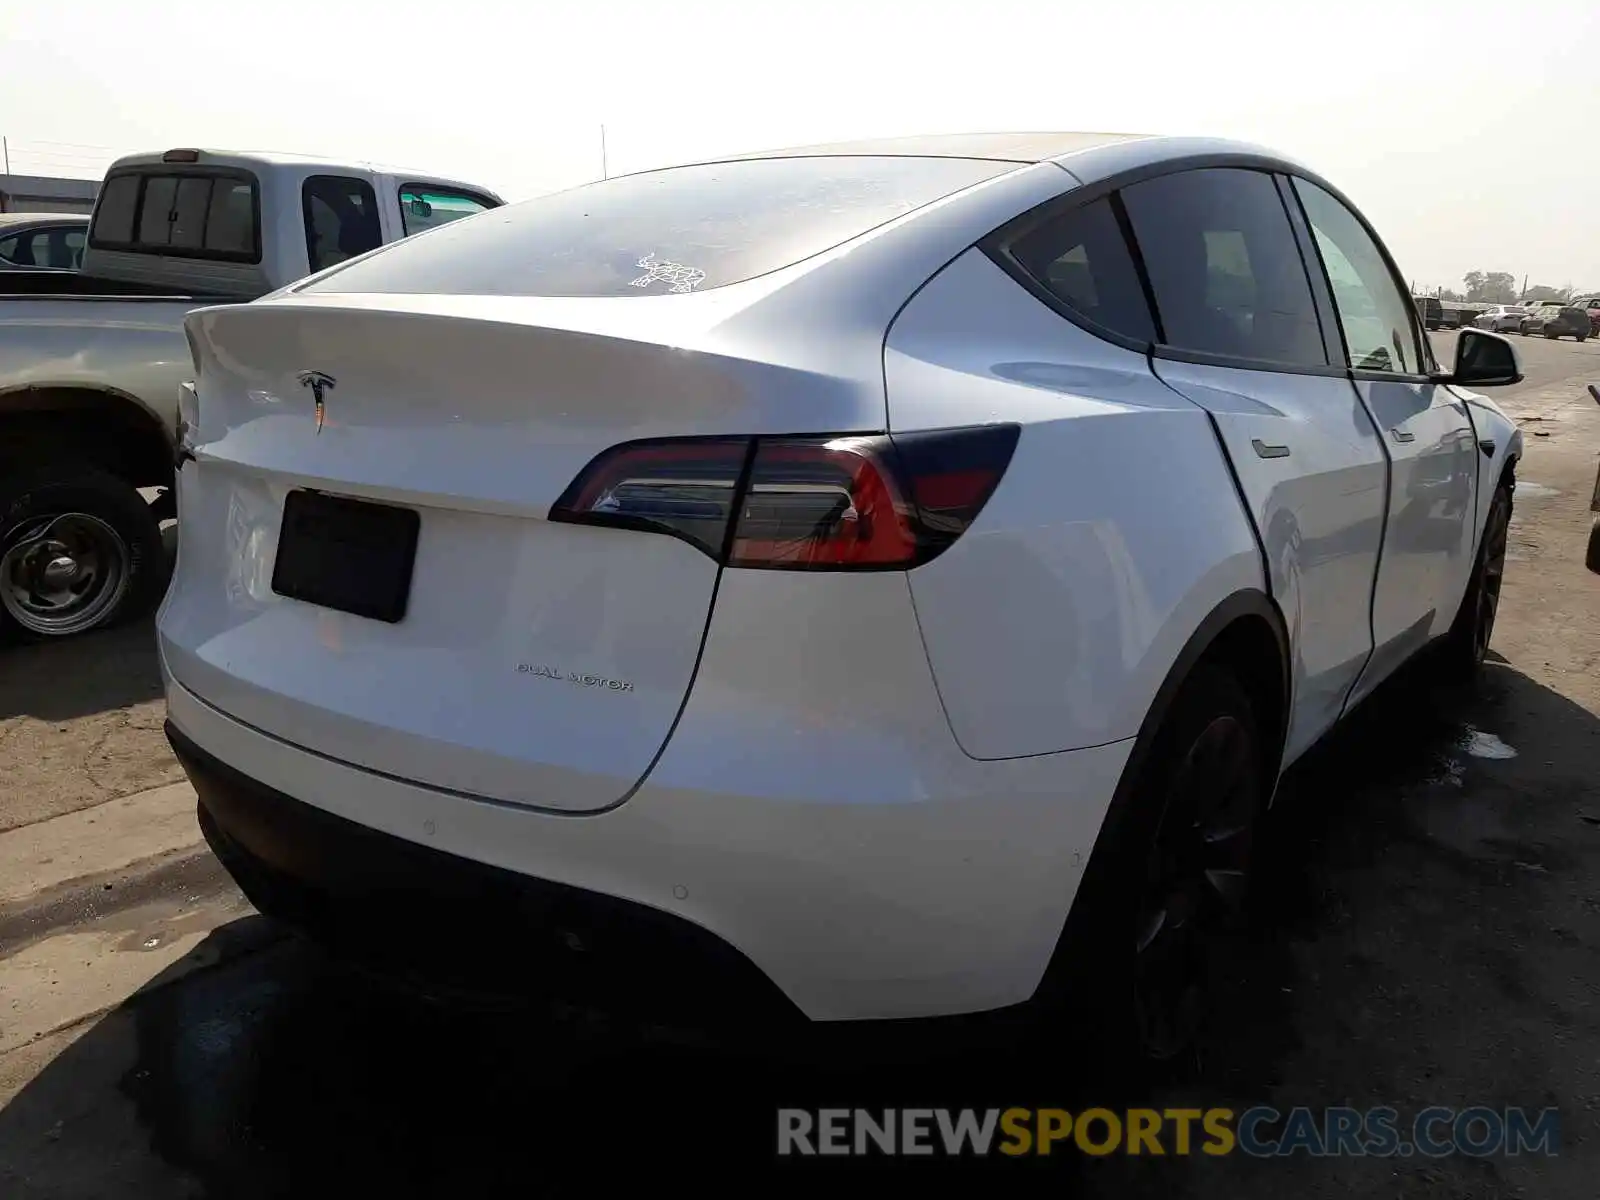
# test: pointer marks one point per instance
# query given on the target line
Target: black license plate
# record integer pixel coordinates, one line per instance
(346, 554)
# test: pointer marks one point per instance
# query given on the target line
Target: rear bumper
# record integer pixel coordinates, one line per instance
(448, 924)
(770, 904)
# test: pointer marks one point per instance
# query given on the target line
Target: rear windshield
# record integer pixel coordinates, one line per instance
(185, 213)
(679, 230)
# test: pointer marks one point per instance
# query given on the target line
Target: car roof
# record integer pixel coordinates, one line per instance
(1090, 157)
(1000, 147)
(23, 220)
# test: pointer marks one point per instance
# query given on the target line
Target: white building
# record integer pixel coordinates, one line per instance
(39, 193)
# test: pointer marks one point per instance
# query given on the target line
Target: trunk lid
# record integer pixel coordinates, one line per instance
(536, 663)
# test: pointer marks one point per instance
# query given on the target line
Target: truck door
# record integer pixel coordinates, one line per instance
(1430, 535)
(1240, 335)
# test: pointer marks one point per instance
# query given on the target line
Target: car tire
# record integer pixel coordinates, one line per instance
(1552, 337)
(1463, 648)
(1168, 881)
(1592, 558)
(106, 561)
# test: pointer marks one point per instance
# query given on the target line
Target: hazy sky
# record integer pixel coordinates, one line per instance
(1467, 130)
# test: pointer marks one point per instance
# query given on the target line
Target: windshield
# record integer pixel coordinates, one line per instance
(684, 229)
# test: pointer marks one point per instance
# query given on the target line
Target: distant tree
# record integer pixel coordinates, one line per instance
(1490, 287)
(1451, 294)
(1544, 291)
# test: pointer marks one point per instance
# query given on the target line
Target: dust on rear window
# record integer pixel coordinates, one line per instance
(684, 229)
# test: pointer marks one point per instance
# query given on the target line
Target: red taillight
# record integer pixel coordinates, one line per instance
(814, 503)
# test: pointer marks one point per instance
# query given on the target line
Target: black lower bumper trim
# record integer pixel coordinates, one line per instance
(454, 926)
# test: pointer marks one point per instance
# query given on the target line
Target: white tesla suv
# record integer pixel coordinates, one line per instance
(870, 581)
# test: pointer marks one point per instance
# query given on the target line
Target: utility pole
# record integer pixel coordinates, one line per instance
(1524, 287)
(605, 172)
(5, 152)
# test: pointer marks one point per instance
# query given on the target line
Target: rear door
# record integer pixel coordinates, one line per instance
(1429, 538)
(1240, 335)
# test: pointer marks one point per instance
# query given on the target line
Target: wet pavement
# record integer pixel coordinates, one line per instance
(1414, 944)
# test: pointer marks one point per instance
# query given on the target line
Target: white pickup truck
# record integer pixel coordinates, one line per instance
(92, 362)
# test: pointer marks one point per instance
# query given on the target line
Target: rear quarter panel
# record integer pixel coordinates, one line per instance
(1053, 621)
(132, 348)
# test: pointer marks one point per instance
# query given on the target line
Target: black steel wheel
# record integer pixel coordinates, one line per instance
(79, 550)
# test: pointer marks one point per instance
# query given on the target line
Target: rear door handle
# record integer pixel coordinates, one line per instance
(1266, 451)
(1402, 435)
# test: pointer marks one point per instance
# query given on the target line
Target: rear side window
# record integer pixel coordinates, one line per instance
(190, 214)
(685, 229)
(58, 246)
(1081, 259)
(1224, 266)
(425, 207)
(341, 216)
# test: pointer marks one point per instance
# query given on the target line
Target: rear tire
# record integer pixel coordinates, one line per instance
(1168, 880)
(1592, 558)
(79, 550)
(1462, 650)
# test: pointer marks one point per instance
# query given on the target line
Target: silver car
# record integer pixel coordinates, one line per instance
(876, 581)
(1502, 318)
(42, 241)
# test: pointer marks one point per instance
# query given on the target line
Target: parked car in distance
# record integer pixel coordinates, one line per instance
(965, 698)
(1431, 312)
(1500, 318)
(42, 241)
(91, 361)
(1556, 321)
(1591, 305)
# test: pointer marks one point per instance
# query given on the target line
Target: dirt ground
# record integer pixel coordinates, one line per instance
(1430, 935)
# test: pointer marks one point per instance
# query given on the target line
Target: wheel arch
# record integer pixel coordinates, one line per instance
(1244, 631)
(99, 426)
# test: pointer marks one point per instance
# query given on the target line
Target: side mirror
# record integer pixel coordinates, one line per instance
(1485, 359)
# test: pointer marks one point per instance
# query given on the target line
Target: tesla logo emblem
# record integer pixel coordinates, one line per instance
(318, 383)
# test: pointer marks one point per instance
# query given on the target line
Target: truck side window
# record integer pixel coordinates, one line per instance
(341, 216)
(423, 206)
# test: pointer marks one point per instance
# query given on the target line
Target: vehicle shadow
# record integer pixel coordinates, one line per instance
(1412, 887)
(77, 677)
